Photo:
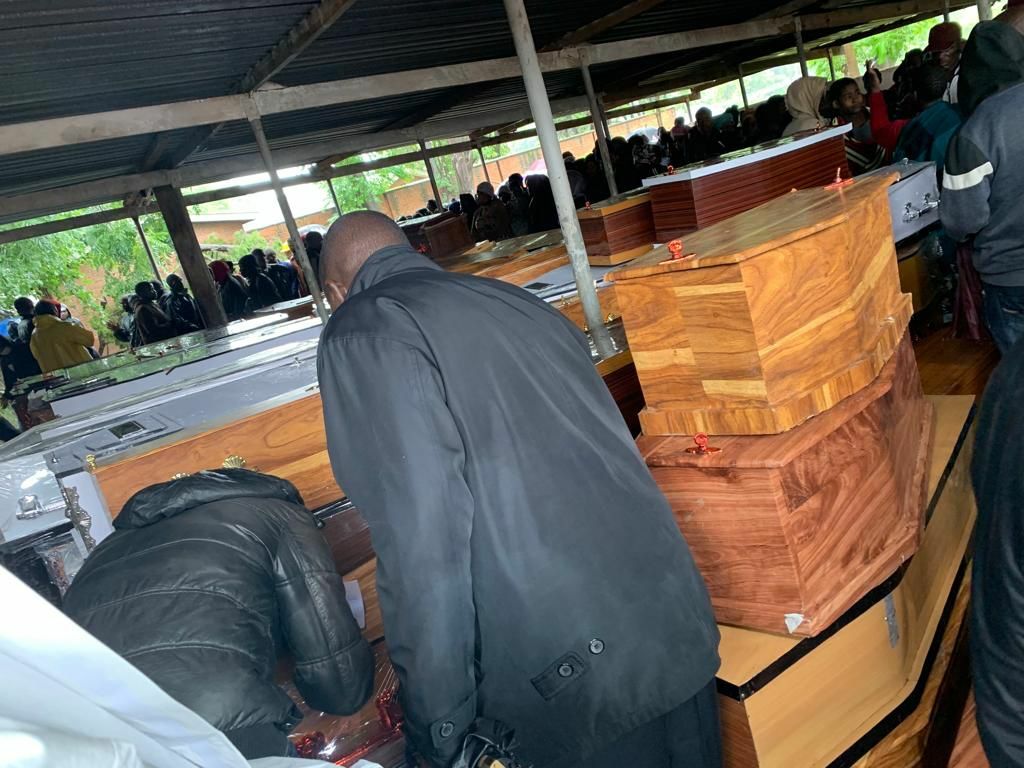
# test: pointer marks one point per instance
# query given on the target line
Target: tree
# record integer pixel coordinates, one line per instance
(89, 264)
(364, 190)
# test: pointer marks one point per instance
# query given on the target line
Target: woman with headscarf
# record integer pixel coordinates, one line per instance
(803, 100)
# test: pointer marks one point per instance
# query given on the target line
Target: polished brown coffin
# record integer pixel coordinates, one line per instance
(826, 701)
(439, 235)
(782, 313)
(791, 530)
(618, 229)
(700, 195)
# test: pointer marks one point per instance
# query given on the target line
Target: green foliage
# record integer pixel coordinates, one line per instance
(103, 260)
(243, 243)
(364, 190)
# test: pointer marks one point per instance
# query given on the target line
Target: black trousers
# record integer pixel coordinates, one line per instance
(687, 737)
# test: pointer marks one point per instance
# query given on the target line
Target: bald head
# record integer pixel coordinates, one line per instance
(350, 241)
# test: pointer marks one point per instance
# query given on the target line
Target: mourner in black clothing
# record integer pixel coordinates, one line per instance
(204, 581)
(181, 308)
(151, 324)
(26, 309)
(262, 291)
(525, 554)
(997, 588)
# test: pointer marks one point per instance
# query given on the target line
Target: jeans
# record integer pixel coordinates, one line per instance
(1004, 313)
(687, 737)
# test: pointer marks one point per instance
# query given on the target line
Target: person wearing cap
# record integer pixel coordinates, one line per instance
(491, 220)
(945, 42)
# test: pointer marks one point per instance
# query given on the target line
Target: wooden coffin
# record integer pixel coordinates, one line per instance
(700, 195)
(618, 229)
(825, 701)
(783, 312)
(791, 530)
(439, 235)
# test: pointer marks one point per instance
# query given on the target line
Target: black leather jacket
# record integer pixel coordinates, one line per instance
(205, 580)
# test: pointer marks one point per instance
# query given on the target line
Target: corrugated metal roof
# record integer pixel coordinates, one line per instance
(66, 57)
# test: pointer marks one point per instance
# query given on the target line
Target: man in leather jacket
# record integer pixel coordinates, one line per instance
(203, 581)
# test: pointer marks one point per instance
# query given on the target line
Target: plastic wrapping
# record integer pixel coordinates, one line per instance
(63, 559)
(345, 740)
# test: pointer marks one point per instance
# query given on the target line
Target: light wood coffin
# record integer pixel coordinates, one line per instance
(814, 702)
(783, 312)
(618, 229)
(700, 195)
(791, 530)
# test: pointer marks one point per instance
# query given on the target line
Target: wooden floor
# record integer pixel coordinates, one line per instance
(954, 366)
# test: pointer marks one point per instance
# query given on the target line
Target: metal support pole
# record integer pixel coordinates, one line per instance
(430, 173)
(603, 114)
(596, 115)
(145, 244)
(312, 279)
(798, 32)
(689, 112)
(945, 11)
(984, 10)
(831, 65)
(483, 162)
(743, 90)
(537, 94)
(334, 197)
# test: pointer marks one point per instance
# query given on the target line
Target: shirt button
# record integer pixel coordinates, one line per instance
(447, 729)
(596, 646)
(565, 670)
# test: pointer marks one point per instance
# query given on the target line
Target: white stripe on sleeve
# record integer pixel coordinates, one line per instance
(962, 181)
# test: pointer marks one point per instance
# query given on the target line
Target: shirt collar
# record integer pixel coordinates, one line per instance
(389, 262)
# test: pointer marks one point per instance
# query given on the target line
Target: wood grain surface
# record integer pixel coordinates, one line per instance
(968, 752)
(618, 231)
(806, 522)
(817, 707)
(681, 208)
(785, 311)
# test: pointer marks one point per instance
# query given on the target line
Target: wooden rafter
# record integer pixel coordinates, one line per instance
(598, 26)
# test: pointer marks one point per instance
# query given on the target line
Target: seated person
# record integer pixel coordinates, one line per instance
(863, 153)
(262, 291)
(204, 578)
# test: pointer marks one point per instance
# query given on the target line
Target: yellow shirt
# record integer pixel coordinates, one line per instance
(57, 344)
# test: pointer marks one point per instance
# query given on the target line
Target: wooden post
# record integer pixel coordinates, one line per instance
(334, 197)
(430, 174)
(831, 65)
(483, 162)
(190, 255)
(743, 90)
(798, 31)
(689, 112)
(145, 244)
(599, 128)
(984, 10)
(945, 11)
(312, 278)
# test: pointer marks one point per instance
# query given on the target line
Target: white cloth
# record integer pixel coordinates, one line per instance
(68, 700)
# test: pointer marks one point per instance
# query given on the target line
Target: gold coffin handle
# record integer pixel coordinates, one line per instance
(233, 461)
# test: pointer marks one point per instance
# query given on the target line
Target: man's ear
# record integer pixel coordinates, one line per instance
(335, 293)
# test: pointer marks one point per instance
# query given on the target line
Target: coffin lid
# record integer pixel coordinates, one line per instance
(622, 202)
(770, 226)
(768, 451)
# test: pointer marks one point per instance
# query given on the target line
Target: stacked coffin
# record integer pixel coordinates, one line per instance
(700, 195)
(782, 332)
(438, 235)
(618, 229)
